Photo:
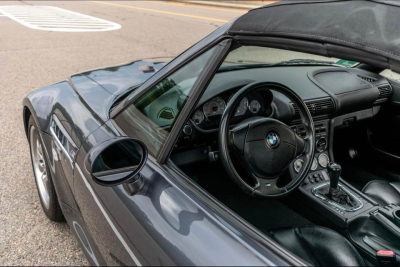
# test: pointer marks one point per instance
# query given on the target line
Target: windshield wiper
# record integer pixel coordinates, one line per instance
(282, 63)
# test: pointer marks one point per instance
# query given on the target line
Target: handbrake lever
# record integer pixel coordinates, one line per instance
(384, 222)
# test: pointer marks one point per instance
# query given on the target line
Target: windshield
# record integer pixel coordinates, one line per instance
(255, 55)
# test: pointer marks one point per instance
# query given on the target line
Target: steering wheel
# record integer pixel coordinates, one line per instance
(265, 147)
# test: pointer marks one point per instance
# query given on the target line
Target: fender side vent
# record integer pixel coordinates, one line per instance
(167, 114)
(61, 136)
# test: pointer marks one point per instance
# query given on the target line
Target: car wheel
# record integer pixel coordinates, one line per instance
(44, 183)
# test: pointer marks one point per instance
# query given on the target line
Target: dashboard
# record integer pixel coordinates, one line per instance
(335, 97)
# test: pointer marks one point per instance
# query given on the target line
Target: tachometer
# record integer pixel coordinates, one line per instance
(254, 106)
(198, 117)
(242, 107)
(215, 106)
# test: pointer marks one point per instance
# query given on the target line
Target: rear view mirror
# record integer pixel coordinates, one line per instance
(116, 161)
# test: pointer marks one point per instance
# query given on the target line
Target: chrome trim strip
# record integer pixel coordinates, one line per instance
(360, 204)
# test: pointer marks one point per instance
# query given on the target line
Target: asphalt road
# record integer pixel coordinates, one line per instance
(30, 59)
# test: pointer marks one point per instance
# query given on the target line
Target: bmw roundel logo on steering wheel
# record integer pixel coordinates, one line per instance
(273, 140)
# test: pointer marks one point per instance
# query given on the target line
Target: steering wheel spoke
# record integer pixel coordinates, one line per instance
(300, 145)
(265, 146)
(267, 187)
(238, 137)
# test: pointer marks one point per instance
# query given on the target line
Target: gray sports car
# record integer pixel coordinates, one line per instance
(273, 141)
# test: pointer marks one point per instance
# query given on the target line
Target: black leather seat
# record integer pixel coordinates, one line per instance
(384, 193)
(319, 246)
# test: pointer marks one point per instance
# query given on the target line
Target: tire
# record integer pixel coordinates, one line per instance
(43, 180)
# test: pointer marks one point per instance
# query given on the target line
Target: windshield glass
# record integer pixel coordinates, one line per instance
(255, 55)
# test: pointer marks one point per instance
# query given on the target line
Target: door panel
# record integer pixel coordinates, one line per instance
(161, 225)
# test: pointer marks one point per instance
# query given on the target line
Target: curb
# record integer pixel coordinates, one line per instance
(222, 4)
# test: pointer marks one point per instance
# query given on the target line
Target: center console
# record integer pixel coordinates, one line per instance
(374, 230)
(338, 210)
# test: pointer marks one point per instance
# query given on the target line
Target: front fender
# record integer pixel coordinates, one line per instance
(75, 115)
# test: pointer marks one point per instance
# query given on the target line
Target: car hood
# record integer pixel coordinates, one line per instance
(100, 88)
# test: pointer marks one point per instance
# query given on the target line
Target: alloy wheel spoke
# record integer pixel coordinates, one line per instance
(44, 180)
(40, 151)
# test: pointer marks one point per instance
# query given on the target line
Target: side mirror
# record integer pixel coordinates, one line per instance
(116, 161)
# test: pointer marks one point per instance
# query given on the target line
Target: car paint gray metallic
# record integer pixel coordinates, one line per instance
(164, 224)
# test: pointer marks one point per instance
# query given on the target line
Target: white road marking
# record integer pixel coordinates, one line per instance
(48, 18)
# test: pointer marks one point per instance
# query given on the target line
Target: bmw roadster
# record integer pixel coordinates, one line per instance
(273, 141)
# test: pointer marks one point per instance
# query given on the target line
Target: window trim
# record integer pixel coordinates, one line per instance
(222, 46)
(205, 77)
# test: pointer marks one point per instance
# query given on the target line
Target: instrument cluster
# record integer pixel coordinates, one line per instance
(213, 109)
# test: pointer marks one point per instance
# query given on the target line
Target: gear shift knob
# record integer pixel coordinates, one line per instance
(334, 171)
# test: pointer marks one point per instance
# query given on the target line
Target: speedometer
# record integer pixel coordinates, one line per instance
(214, 107)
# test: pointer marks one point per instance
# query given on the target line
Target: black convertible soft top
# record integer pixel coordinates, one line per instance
(337, 26)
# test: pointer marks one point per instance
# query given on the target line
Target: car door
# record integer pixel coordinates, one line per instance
(160, 225)
(126, 229)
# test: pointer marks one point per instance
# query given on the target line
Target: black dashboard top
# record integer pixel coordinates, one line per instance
(293, 77)
(328, 92)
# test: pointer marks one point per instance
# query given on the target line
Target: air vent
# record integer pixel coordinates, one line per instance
(324, 107)
(366, 78)
(384, 92)
(317, 108)
(58, 133)
(60, 136)
(167, 114)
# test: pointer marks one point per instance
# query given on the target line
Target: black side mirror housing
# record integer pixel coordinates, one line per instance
(116, 161)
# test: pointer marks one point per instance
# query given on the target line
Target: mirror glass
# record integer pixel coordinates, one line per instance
(118, 161)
